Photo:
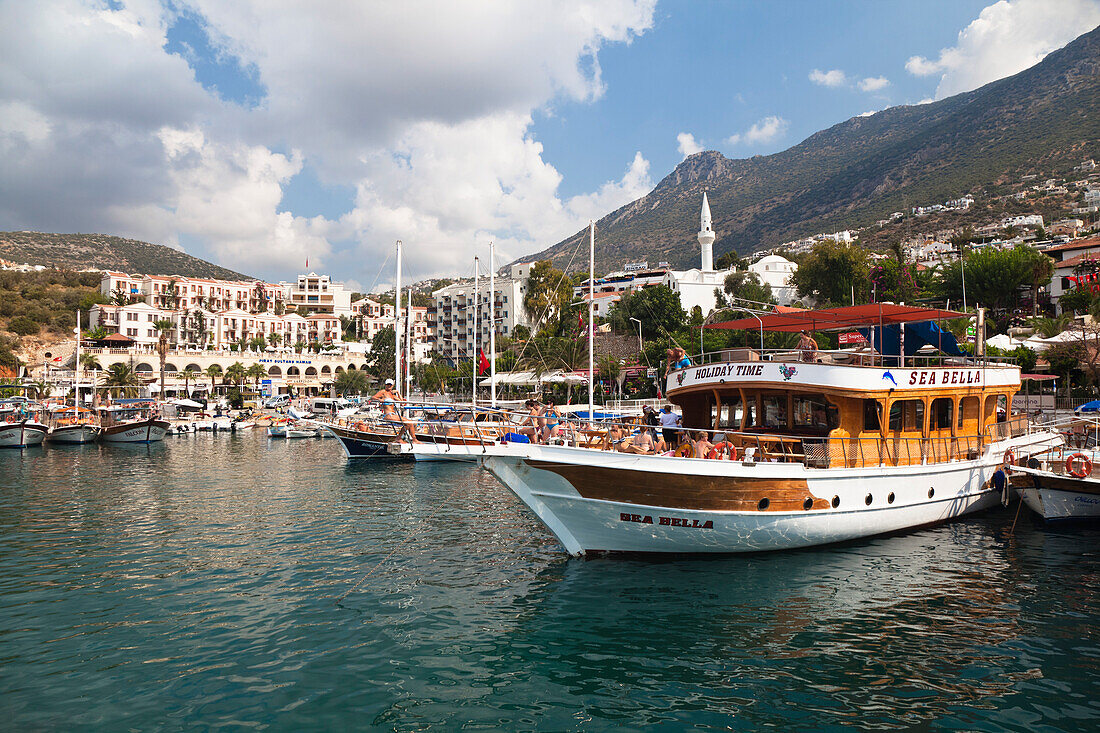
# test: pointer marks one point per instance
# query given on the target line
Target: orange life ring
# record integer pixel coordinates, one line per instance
(1085, 465)
(720, 448)
(1009, 458)
(687, 450)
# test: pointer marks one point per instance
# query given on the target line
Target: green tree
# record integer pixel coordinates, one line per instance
(274, 339)
(729, 261)
(90, 363)
(188, 374)
(892, 279)
(95, 334)
(548, 294)
(41, 389)
(256, 372)
(657, 307)
(994, 277)
(257, 343)
(24, 326)
(746, 285)
(236, 373)
(164, 328)
(213, 371)
(121, 379)
(353, 381)
(381, 356)
(832, 272)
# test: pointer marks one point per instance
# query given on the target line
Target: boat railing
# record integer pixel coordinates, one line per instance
(867, 358)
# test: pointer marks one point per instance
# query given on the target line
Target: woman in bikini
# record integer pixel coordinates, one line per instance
(389, 397)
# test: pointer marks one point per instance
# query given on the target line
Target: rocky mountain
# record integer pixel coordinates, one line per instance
(102, 251)
(1042, 119)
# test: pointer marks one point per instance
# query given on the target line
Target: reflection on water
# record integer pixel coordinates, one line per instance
(205, 581)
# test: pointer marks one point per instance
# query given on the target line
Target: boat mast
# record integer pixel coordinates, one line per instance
(76, 369)
(397, 327)
(492, 329)
(591, 306)
(477, 339)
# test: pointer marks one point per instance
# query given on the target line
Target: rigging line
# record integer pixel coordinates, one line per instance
(531, 334)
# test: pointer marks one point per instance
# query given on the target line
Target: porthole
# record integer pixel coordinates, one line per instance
(808, 504)
(890, 498)
(763, 504)
(836, 502)
(868, 499)
(931, 493)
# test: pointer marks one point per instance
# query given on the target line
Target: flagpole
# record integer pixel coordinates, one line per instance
(591, 306)
(492, 329)
(477, 340)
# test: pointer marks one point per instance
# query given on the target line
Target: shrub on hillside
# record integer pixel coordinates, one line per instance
(23, 326)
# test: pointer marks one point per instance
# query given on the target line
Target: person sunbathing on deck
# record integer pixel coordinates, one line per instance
(702, 445)
(642, 444)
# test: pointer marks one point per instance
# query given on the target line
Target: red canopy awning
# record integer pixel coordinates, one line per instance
(831, 319)
(116, 338)
(1039, 377)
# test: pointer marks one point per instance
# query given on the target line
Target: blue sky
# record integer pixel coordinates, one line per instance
(257, 137)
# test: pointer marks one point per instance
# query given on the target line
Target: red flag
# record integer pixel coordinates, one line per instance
(482, 362)
(307, 263)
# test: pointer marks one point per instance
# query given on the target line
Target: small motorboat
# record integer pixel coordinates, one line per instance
(19, 424)
(302, 432)
(132, 422)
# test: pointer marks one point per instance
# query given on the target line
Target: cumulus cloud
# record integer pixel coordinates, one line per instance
(1006, 37)
(874, 83)
(424, 109)
(766, 130)
(687, 144)
(831, 78)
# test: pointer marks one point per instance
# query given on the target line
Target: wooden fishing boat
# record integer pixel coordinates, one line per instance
(20, 426)
(810, 448)
(73, 425)
(132, 422)
(1061, 485)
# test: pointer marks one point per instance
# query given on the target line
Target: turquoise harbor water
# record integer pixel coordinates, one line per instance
(197, 583)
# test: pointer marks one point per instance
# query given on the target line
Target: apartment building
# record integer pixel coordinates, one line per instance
(319, 294)
(451, 315)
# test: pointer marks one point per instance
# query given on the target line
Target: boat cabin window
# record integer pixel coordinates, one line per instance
(968, 409)
(775, 411)
(813, 411)
(749, 413)
(907, 415)
(943, 409)
(996, 405)
(730, 415)
(872, 410)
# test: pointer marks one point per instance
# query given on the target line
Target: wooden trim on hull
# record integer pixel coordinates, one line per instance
(700, 493)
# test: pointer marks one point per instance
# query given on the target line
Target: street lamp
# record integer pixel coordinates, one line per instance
(639, 334)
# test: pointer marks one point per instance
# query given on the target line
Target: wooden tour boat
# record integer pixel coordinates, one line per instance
(811, 448)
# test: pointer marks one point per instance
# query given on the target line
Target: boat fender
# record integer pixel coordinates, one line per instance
(1078, 465)
(1010, 458)
(720, 448)
(1000, 483)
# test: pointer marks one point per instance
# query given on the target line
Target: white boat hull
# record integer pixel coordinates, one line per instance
(22, 434)
(1059, 496)
(144, 431)
(75, 434)
(563, 487)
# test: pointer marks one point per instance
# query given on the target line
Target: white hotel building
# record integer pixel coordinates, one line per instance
(452, 313)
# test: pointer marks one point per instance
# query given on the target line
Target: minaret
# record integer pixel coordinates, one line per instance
(706, 236)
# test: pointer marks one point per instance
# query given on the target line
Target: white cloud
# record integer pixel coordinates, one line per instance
(1007, 37)
(424, 109)
(765, 131)
(874, 83)
(687, 144)
(831, 78)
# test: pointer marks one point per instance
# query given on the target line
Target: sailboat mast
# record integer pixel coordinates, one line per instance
(408, 342)
(76, 369)
(591, 310)
(397, 327)
(492, 329)
(477, 339)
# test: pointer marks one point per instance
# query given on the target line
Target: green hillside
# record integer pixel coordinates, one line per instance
(104, 252)
(1044, 119)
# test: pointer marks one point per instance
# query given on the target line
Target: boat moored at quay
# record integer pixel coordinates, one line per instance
(809, 447)
(132, 423)
(20, 426)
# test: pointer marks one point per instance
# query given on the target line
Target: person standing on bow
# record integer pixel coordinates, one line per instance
(389, 398)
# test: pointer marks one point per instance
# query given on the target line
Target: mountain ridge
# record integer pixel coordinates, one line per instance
(107, 252)
(861, 169)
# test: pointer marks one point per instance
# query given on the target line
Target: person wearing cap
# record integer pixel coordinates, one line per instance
(389, 397)
(650, 420)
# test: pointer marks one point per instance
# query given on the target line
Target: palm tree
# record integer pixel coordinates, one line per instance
(122, 378)
(236, 373)
(257, 343)
(41, 389)
(213, 371)
(200, 328)
(274, 339)
(163, 327)
(257, 372)
(90, 363)
(188, 375)
(352, 381)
